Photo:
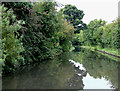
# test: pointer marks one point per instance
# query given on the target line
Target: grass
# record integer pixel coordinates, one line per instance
(108, 50)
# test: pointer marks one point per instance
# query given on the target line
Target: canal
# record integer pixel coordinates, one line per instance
(84, 69)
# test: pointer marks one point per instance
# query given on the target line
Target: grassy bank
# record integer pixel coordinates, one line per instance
(111, 53)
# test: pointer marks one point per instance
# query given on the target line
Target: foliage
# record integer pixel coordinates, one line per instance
(47, 33)
(21, 9)
(11, 44)
(74, 16)
(102, 35)
(66, 33)
(37, 35)
(110, 36)
(78, 39)
(44, 33)
(92, 34)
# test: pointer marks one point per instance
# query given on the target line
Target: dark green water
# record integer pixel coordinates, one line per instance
(75, 70)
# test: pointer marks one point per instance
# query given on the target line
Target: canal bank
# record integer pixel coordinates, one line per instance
(111, 54)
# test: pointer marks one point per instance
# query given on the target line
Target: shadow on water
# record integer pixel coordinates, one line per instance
(62, 74)
(52, 74)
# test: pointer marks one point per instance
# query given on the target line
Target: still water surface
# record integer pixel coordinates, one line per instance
(75, 70)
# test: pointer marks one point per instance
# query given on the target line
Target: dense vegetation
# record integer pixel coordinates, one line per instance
(11, 45)
(100, 35)
(43, 34)
(33, 32)
(74, 17)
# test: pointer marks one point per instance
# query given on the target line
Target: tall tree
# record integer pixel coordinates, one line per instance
(74, 16)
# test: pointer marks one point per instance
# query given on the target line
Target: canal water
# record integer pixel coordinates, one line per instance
(75, 70)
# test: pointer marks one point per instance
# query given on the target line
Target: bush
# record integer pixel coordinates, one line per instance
(11, 45)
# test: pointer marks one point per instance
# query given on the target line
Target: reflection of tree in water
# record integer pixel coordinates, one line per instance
(100, 66)
(77, 81)
(49, 75)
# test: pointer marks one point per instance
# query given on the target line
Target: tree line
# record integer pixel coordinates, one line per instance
(101, 34)
(96, 33)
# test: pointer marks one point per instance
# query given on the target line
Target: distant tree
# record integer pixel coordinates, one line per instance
(110, 36)
(92, 35)
(74, 16)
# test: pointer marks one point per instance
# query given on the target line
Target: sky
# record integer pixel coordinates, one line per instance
(95, 9)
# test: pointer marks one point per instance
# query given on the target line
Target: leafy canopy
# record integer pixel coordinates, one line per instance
(74, 16)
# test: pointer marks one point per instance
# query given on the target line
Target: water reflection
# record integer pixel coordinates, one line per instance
(98, 66)
(63, 73)
(49, 75)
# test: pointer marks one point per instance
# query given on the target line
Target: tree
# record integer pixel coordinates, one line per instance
(74, 16)
(92, 35)
(110, 36)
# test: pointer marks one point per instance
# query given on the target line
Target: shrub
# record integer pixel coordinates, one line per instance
(11, 45)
